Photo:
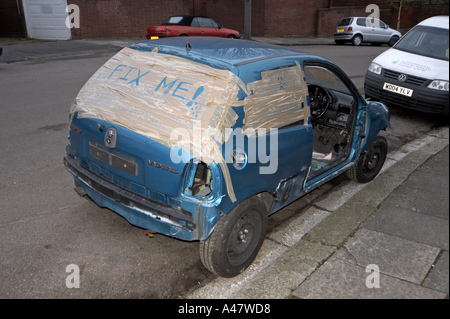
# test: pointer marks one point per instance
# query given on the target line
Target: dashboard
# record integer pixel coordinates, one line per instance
(331, 108)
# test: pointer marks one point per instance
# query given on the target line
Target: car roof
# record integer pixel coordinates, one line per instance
(358, 18)
(218, 52)
(438, 22)
(186, 19)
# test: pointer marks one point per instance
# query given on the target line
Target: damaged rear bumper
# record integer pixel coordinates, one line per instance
(138, 210)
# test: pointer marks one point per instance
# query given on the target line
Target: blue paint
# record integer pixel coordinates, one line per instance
(136, 80)
(165, 85)
(196, 95)
(116, 70)
(180, 88)
(124, 78)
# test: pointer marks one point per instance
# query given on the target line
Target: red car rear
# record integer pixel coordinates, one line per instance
(189, 25)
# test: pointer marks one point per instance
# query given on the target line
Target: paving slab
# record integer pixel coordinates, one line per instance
(287, 272)
(394, 256)
(405, 223)
(439, 274)
(339, 279)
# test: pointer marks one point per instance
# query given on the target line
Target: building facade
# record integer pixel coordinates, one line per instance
(46, 19)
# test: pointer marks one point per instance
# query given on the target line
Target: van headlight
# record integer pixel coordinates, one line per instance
(375, 68)
(439, 85)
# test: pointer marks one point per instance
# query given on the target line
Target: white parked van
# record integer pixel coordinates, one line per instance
(414, 73)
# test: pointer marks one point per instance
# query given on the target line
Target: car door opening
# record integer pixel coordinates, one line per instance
(332, 117)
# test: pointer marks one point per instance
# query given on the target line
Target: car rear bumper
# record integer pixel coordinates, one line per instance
(343, 36)
(423, 98)
(149, 36)
(139, 211)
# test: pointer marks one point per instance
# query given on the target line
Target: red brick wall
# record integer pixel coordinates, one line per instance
(415, 13)
(292, 18)
(124, 18)
(383, 4)
(330, 17)
(10, 20)
(271, 18)
(230, 13)
(411, 13)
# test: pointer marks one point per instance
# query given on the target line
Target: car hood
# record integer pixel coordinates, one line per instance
(413, 64)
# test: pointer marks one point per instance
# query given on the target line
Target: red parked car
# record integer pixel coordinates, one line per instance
(189, 25)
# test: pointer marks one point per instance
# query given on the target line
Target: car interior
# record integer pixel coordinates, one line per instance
(332, 117)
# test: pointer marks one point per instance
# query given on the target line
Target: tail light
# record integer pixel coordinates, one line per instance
(350, 29)
(199, 181)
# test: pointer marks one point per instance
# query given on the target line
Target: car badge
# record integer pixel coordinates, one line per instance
(402, 77)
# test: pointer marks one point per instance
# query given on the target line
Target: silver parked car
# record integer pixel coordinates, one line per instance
(359, 30)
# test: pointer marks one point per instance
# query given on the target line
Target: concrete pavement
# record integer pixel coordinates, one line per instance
(385, 239)
(295, 41)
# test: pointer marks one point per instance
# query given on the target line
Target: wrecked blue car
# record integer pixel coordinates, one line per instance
(201, 139)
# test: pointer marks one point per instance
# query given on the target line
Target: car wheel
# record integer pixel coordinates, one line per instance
(357, 40)
(236, 240)
(393, 41)
(370, 163)
(232, 36)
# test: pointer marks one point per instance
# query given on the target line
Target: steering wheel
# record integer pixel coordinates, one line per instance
(320, 101)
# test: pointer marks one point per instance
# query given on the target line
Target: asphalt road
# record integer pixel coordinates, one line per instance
(45, 226)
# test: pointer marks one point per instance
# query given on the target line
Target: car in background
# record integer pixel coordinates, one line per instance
(190, 25)
(173, 136)
(414, 73)
(358, 30)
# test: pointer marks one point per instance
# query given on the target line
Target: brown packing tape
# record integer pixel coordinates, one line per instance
(278, 99)
(157, 94)
(138, 88)
(154, 94)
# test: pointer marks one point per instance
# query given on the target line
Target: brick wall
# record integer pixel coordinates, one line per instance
(271, 18)
(124, 18)
(411, 14)
(415, 13)
(383, 4)
(292, 18)
(330, 17)
(11, 22)
(230, 13)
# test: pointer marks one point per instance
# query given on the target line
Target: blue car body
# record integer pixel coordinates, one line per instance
(133, 174)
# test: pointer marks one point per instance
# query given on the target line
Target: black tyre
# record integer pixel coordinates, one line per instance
(357, 40)
(236, 240)
(370, 163)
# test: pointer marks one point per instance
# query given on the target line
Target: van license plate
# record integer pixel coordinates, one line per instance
(398, 89)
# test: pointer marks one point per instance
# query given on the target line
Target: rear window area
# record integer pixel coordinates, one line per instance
(178, 21)
(345, 22)
(158, 95)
